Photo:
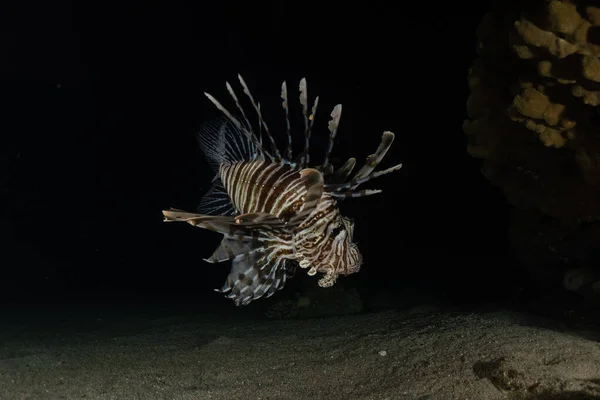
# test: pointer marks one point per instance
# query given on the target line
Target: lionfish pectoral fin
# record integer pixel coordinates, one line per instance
(255, 274)
(221, 224)
(174, 210)
(177, 215)
(314, 182)
(258, 219)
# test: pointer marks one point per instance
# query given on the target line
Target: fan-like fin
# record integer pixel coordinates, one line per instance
(256, 274)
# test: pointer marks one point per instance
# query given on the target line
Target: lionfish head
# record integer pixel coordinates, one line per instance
(353, 257)
(339, 255)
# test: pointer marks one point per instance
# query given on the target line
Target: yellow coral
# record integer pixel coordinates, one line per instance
(533, 116)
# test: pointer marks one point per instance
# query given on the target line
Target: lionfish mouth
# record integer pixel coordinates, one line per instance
(275, 211)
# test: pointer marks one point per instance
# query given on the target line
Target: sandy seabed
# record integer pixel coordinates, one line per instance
(418, 354)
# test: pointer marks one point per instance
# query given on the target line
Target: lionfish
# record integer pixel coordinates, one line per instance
(274, 213)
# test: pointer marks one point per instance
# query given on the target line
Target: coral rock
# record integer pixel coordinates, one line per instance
(533, 113)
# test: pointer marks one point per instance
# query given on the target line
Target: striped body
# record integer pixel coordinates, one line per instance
(278, 189)
(262, 186)
(276, 214)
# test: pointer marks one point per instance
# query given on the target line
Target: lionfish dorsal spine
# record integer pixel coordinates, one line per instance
(311, 117)
(354, 183)
(374, 159)
(332, 125)
(253, 135)
(260, 126)
(304, 158)
(284, 104)
(261, 121)
(240, 130)
(365, 174)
